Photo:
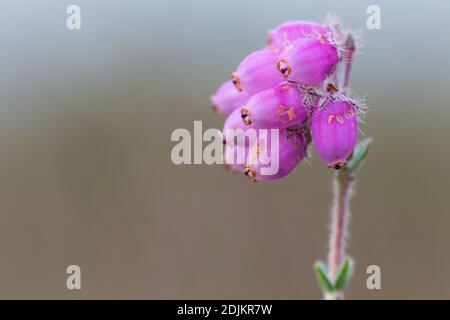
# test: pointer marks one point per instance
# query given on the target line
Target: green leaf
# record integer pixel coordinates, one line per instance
(344, 275)
(321, 274)
(359, 154)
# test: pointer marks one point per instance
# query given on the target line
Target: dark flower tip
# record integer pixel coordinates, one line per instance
(338, 164)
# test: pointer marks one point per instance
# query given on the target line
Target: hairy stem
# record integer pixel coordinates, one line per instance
(349, 52)
(342, 188)
(347, 72)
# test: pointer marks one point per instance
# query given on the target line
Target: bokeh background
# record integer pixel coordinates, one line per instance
(86, 176)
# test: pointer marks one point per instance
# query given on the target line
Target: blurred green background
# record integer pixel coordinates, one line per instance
(86, 176)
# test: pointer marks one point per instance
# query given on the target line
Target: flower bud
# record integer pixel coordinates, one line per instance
(286, 33)
(257, 72)
(334, 130)
(308, 61)
(278, 107)
(228, 98)
(231, 155)
(275, 156)
(237, 138)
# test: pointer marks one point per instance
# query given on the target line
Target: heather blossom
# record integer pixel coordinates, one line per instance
(286, 97)
(334, 129)
(227, 98)
(288, 154)
(277, 107)
(294, 85)
(257, 72)
(308, 60)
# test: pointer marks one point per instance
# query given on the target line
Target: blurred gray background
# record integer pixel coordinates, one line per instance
(86, 176)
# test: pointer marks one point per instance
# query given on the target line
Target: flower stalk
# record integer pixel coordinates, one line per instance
(343, 188)
(343, 184)
(349, 52)
(335, 276)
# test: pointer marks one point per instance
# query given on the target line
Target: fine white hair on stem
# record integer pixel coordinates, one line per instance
(340, 212)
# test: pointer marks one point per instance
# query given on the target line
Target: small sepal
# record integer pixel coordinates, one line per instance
(358, 155)
(329, 287)
(344, 275)
(321, 273)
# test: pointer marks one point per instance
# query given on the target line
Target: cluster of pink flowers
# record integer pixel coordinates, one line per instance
(294, 84)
